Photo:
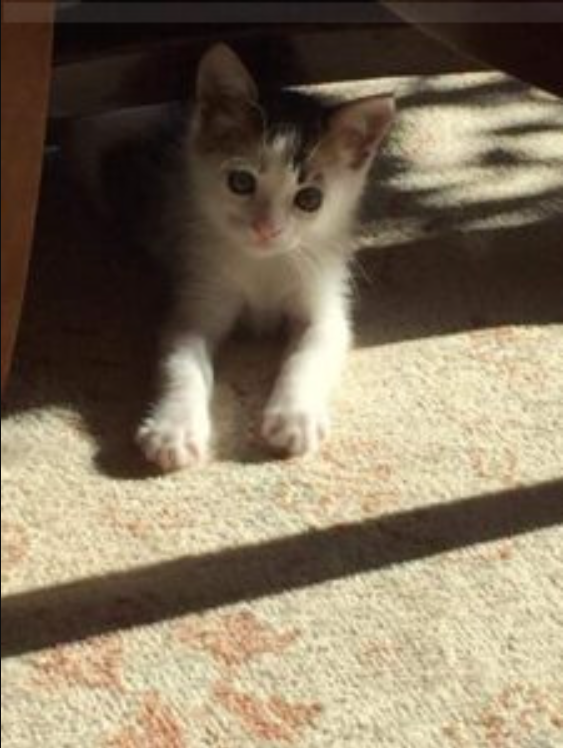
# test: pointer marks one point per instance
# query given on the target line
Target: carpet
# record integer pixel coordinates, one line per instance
(403, 588)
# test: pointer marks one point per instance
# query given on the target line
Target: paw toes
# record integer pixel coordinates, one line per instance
(295, 432)
(171, 446)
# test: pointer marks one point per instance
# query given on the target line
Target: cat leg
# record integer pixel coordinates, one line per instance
(296, 419)
(177, 430)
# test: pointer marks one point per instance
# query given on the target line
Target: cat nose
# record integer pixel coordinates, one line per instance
(265, 229)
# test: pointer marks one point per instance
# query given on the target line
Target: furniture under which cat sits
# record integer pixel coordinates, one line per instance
(66, 59)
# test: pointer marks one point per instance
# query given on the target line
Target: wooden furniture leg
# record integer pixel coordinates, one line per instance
(26, 74)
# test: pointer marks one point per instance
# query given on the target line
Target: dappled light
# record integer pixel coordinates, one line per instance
(477, 151)
(471, 159)
(406, 576)
(464, 206)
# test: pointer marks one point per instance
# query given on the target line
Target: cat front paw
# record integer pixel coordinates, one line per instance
(173, 442)
(295, 430)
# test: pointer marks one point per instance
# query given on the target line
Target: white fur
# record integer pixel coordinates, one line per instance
(227, 271)
(177, 431)
(304, 280)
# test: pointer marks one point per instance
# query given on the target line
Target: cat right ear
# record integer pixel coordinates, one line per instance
(226, 115)
(221, 74)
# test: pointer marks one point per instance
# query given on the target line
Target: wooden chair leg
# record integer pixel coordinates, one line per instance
(26, 74)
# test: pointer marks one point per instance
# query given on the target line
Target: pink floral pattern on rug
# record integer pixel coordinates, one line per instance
(505, 719)
(15, 547)
(97, 663)
(346, 624)
(154, 726)
(269, 718)
(235, 639)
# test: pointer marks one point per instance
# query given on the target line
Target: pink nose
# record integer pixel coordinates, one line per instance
(264, 229)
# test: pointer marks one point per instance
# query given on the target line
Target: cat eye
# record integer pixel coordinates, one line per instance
(241, 182)
(309, 199)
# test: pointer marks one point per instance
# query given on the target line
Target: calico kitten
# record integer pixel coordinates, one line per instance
(259, 201)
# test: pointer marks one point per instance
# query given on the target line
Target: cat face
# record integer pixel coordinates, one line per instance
(276, 175)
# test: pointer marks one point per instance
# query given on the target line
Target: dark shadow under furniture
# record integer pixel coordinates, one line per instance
(54, 71)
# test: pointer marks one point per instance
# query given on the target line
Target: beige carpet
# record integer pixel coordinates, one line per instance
(404, 589)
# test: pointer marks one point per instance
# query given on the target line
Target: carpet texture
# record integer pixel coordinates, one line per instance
(404, 588)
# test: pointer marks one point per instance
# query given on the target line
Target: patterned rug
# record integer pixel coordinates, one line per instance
(402, 589)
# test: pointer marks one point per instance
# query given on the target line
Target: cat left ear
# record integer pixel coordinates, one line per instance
(358, 128)
(221, 74)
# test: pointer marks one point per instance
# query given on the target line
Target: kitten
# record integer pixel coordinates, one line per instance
(260, 201)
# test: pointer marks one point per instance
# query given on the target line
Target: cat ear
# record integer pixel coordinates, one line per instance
(226, 116)
(222, 74)
(357, 128)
